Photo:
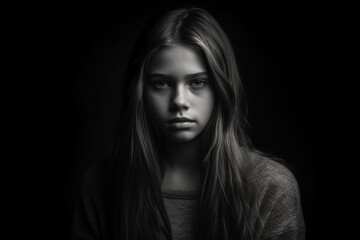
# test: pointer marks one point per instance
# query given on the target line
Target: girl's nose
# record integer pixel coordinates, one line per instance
(180, 99)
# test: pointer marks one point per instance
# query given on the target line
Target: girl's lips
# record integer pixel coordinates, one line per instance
(181, 125)
(180, 119)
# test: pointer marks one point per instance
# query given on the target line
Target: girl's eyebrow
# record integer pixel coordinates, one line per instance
(195, 75)
(159, 75)
(190, 76)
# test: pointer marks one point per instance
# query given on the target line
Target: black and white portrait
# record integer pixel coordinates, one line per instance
(165, 120)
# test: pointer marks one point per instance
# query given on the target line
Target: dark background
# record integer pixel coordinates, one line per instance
(61, 72)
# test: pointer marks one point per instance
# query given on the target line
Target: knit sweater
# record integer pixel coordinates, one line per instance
(277, 195)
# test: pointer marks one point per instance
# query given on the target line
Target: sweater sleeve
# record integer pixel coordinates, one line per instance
(285, 219)
(279, 202)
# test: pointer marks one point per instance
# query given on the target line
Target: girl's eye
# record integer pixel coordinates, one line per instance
(160, 84)
(198, 83)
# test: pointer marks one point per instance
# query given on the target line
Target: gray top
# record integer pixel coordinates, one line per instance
(183, 211)
(278, 199)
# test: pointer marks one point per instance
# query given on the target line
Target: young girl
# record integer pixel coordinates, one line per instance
(183, 167)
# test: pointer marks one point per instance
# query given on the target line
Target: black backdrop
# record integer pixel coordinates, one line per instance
(63, 66)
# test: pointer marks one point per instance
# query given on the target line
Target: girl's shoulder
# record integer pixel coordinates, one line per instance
(278, 197)
(269, 172)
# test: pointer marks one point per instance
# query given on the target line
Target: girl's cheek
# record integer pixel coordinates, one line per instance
(157, 106)
(160, 100)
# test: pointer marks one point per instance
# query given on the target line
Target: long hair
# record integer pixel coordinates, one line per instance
(226, 199)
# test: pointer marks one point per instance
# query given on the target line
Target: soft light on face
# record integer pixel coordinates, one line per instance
(178, 95)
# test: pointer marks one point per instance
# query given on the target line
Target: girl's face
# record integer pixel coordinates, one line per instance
(178, 95)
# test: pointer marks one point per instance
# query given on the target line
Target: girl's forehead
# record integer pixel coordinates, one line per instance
(177, 60)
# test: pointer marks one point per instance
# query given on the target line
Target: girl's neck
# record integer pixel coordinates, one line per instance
(186, 155)
(183, 163)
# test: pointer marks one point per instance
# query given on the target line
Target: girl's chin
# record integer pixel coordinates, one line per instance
(182, 137)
